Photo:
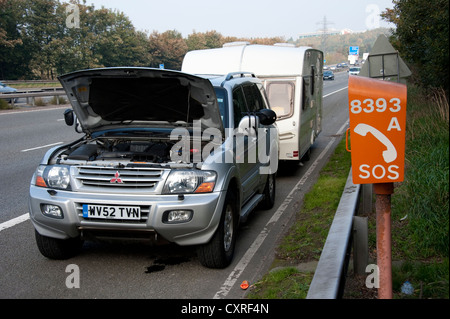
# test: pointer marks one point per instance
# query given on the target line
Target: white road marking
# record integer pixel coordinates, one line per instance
(39, 147)
(245, 260)
(15, 221)
(344, 88)
(39, 109)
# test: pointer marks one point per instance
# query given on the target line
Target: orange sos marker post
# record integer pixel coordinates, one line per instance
(377, 111)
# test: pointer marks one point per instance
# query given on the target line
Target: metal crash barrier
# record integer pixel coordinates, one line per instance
(33, 94)
(329, 277)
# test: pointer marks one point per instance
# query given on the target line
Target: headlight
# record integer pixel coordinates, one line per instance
(189, 181)
(53, 176)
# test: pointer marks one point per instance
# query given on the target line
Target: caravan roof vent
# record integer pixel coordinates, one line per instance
(235, 44)
(290, 45)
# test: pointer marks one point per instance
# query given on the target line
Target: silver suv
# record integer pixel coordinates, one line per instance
(164, 154)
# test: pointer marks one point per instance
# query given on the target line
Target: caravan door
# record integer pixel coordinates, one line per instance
(311, 103)
(282, 96)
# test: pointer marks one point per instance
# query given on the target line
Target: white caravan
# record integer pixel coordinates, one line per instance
(293, 80)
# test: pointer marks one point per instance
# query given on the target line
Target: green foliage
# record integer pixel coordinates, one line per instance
(284, 283)
(168, 48)
(4, 105)
(425, 192)
(429, 280)
(421, 36)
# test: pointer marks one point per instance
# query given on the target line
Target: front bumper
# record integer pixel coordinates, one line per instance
(206, 210)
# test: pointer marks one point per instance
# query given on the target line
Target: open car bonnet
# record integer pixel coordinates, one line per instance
(110, 97)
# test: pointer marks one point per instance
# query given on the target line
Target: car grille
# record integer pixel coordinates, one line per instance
(123, 178)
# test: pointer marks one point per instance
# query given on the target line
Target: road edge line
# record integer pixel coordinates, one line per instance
(15, 221)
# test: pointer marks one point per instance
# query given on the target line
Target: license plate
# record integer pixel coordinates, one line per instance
(112, 212)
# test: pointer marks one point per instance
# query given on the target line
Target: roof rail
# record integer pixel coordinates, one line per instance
(232, 75)
(242, 74)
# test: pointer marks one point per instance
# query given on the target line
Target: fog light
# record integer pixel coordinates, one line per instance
(52, 211)
(177, 216)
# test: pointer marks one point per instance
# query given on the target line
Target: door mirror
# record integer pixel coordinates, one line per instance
(267, 116)
(69, 117)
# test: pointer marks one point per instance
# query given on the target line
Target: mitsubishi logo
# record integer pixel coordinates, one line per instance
(116, 179)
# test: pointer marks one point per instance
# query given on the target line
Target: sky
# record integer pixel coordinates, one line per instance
(250, 18)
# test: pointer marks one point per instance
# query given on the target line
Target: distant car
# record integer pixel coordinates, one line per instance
(7, 89)
(328, 75)
(354, 70)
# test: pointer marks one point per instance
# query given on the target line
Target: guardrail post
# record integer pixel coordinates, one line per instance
(360, 244)
(367, 198)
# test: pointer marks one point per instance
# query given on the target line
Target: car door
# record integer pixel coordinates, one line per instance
(255, 103)
(245, 145)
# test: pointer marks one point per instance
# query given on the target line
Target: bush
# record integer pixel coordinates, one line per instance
(4, 105)
(426, 186)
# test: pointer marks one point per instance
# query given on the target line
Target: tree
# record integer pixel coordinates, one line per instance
(167, 48)
(421, 36)
(38, 31)
(117, 40)
(207, 40)
(13, 57)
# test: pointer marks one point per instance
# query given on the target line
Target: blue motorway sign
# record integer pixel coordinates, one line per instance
(354, 50)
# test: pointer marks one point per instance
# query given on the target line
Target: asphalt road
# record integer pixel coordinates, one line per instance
(136, 270)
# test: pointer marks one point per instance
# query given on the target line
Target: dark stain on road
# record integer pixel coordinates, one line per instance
(160, 263)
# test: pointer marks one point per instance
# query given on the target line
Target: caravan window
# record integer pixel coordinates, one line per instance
(281, 98)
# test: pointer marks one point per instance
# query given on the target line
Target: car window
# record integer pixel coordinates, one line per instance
(253, 97)
(239, 106)
(222, 100)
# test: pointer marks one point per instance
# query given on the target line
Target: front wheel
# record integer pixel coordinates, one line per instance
(218, 253)
(58, 248)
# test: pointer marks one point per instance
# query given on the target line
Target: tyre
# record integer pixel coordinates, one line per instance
(269, 192)
(218, 253)
(58, 248)
(307, 155)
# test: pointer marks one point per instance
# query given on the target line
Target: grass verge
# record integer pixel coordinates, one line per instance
(22, 85)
